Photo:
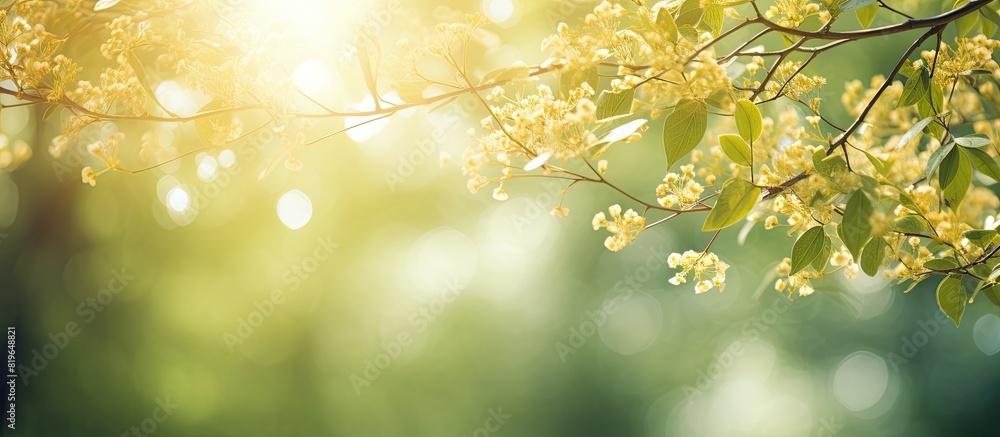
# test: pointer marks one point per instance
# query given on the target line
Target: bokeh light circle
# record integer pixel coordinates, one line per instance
(295, 209)
(986, 334)
(860, 380)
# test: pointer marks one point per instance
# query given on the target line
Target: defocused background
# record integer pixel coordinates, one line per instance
(371, 294)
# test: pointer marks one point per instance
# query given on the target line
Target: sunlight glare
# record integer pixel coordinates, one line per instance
(498, 11)
(178, 199)
(208, 169)
(364, 132)
(312, 77)
(295, 209)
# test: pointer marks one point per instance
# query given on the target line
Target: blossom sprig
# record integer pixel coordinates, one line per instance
(624, 228)
(704, 268)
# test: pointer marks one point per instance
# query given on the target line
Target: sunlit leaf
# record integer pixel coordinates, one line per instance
(913, 131)
(622, 132)
(932, 105)
(985, 163)
(683, 129)
(665, 23)
(940, 264)
(209, 127)
(714, 17)
(993, 294)
(614, 104)
(974, 141)
(934, 161)
(369, 57)
(955, 176)
(851, 5)
(880, 166)
(689, 13)
(909, 225)
(917, 86)
(736, 200)
(866, 14)
(538, 161)
(991, 15)
(951, 298)
(105, 4)
(824, 255)
(807, 248)
(965, 23)
(980, 237)
(855, 228)
(411, 91)
(503, 75)
(570, 79)
(140, 75)
(735, 148)
(748, 120)
(872, 255)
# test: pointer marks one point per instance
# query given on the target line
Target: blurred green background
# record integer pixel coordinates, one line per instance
(407, 306)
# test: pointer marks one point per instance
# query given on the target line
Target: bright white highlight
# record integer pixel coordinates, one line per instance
(861, 381)
(295, 209)
(311, 77)
(178, 199)
(208, 169)
(498, 11)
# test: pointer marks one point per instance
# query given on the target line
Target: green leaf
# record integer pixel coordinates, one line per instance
(872, 255)
(851, 5)
(991, 15)
(866, 15)
(917, 86)
(683, 129)
(824, 255)
(940, 264)
(974, 141)
(827, 164)
(987, 27)
(909, 225)
(912, 285)
(689, 13)
(869, 183)
(951, 297)
(748, 120)
(614, 104)
(714, 17)
(964, 24)
(907, 201)
(807, 248)
(570, 79)
(984, 163)
(932, 106)
(881, 166)
(955, 177)
(52, 109)
(501, 75)
(980, 237)
(993, 294)
(855, 228)
(665, 23)
(735, 149)
(936, 157)
(688, 32)
(140, 75)
(913, 131)
(736, 200)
